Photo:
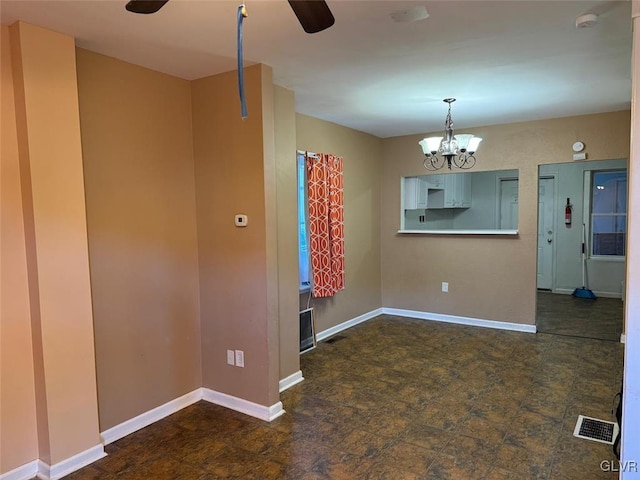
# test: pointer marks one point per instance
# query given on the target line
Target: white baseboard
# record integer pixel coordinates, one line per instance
(329, 332)
(291, 380)
(147, 418)
(44, 471)
(476, 322)
(222, 399)
(71, 464)
(243, 406)
(23, 472)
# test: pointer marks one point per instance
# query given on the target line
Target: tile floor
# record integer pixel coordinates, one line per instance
(397, 398)
(601, 318)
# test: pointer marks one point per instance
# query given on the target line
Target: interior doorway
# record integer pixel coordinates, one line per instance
(559, 253)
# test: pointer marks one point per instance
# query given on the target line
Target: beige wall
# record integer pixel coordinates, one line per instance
(18, 434)
(362, 169)
(140, 188)
(285, 136)
(489, 278)
(49, 148)
(235, 175)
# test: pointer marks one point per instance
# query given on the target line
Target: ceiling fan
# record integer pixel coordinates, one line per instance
(313, 15)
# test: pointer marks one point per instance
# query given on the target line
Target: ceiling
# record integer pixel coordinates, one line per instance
(504, 61)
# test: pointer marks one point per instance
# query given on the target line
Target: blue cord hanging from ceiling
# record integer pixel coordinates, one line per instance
(242, 13)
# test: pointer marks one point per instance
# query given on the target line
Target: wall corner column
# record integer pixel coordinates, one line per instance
(51, 171)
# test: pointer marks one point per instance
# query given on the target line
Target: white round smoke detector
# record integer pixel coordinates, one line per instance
(419, 12)
(578, 147)
(586, 20)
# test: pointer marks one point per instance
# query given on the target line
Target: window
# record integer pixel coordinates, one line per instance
(609, 213)
(303, 250)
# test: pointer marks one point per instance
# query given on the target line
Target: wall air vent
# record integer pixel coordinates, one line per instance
(307, 331)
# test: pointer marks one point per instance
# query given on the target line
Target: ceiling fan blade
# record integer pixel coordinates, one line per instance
(313, 15)
(145, 6)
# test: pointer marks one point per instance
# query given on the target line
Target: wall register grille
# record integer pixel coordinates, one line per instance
(307, 331)
(596, 430)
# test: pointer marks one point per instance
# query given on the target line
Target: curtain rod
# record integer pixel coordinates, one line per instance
(308, 154)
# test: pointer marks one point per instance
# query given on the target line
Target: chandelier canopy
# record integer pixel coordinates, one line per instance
(457, 150)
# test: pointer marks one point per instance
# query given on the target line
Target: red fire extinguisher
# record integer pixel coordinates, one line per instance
(567, 213)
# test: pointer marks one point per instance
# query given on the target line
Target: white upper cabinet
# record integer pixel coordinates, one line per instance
(449, 190)
(415, 193)
(437, 191)
(457, 190)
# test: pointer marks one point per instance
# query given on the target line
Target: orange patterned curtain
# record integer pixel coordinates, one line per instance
(326, 223)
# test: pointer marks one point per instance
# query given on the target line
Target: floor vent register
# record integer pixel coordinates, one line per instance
(596, 430)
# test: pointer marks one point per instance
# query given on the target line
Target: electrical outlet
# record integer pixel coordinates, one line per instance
(445, 286)
(231, 357)
(239, 358)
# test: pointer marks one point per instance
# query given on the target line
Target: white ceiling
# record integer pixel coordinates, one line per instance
(504, 61)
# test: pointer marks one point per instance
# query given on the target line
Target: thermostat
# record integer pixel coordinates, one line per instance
(241, 220)
(578, 147)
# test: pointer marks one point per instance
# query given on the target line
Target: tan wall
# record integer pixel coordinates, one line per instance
(285, 136)
(271, 234)
(18, 434)
(140, 188)
(48, 127)
(489, 278)
(237, 310)
(362, 167)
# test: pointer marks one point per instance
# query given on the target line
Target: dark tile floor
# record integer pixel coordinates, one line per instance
(601, 318)
(397, 398)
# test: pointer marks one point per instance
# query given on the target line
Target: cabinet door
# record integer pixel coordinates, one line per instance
(436, 181)
(416, 193)
(451, 191)
(457, 190)
(422, 193)
(410, 193)
(465, 190)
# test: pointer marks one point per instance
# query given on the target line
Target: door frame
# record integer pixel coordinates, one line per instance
(498, 206)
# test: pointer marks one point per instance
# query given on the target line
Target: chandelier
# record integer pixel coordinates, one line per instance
(457, 150)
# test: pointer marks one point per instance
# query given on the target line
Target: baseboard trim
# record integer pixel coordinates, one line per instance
(291, 380)
(475, 322)
(243, 406)
(152, 416)
(567, 291)
(329, 332)
(23, 472)
(71, 464)
(44, 471)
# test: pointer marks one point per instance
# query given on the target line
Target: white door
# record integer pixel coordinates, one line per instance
(546, 223)
(508, 204)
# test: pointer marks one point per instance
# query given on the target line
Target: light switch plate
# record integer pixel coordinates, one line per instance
(239, 358)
